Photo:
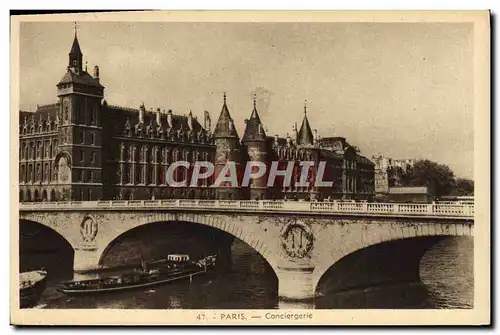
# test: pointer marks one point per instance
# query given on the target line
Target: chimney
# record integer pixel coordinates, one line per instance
(190, 120)
(142, 109)
(96, 73)
(169, 118)
(207, 123)
(158, 116)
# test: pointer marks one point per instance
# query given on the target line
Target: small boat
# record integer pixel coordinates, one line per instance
(175, 268)
(31, 286)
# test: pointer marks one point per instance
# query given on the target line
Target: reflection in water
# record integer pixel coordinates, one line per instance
(446, 272)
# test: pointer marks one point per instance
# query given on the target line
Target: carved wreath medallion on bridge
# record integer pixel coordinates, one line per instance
(297, 239)
(88, 229)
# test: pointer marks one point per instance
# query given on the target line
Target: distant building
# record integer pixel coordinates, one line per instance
(409, 194)
(388, 172)
(82, 148)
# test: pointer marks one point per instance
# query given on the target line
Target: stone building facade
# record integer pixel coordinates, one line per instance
(82, 148)
(388, 172)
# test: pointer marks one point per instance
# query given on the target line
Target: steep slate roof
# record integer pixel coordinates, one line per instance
(75, 48)
(305, 135)
(225, 124)
(364, 160)
(254, 131)
(119, 116)
(330, 154)
(43, 112)
(84, 77)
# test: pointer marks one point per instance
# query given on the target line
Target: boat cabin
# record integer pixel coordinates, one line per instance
(178, 258)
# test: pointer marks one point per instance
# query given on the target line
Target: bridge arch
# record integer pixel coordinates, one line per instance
(393, 234)
(201, 219)
(39, 219)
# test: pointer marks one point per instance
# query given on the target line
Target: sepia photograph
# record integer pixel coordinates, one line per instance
(224, 164)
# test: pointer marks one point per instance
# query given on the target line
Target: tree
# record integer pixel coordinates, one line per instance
(439, 179)
(464, 187)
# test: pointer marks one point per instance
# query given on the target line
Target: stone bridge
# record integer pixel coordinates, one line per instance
(299, 240)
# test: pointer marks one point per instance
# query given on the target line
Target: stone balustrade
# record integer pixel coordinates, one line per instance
(392, 209)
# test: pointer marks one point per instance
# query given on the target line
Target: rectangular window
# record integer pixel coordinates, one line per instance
(93, 157)
(82, 156)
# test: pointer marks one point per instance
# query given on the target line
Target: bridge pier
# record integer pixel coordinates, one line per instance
(295, 283)
(86, 260)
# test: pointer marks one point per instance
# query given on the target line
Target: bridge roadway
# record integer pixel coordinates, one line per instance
(299, 240)
(447, 210)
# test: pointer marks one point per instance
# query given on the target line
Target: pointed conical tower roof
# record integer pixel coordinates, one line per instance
(305, 135)
(74, 73)
(75, 55)
(75, 48)
(225, 124)
(254, 130)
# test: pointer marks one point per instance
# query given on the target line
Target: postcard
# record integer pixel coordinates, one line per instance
(250, 168)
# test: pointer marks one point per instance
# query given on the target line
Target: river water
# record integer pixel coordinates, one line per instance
(446, 272)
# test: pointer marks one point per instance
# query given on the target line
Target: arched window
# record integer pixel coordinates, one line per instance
(91, 116)
(139, 175)
(30, 173)
(126, 173)
(21, 196)
(151, 176)
(38, 172)
(46, 172)
(28, 195)
(53, 196)
(22, 171)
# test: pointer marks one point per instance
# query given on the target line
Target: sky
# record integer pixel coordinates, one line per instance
(404, 90)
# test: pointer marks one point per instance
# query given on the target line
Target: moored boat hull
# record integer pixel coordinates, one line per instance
(92, 289)
(30, 294)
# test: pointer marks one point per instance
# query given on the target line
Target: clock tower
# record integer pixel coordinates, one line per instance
(79, 157)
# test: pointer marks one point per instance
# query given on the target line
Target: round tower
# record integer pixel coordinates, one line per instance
(255, 141)
(227, 150)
